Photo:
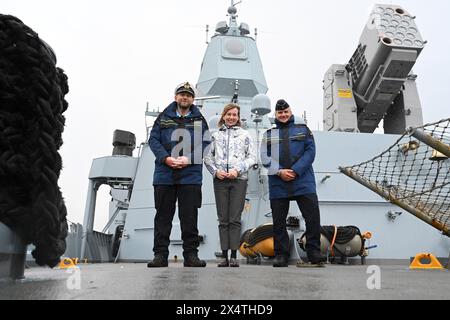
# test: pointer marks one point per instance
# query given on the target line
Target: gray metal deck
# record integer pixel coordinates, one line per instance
(125, 281)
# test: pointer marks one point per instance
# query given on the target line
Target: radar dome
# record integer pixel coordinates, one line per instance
(261, 105)
(232, 10)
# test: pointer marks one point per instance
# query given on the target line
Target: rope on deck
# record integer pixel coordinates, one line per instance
(32, 104)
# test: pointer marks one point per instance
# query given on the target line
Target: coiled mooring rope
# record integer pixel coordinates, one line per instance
(32, 104)
(344, 234)
(252, 236)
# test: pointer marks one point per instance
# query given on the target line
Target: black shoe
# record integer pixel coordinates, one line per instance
(223, 263)
(280, 262)
(316, 257)
(158, 262)
(194, 261)
(234, 263)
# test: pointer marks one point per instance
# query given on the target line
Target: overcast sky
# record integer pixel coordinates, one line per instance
(119, 55)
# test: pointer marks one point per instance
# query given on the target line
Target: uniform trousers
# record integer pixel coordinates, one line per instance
(189, 199)
(309, 207)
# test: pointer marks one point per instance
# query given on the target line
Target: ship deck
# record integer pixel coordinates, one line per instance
(125, 281)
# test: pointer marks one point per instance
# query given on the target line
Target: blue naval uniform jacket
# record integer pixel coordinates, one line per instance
(161, 144)
(296, 150)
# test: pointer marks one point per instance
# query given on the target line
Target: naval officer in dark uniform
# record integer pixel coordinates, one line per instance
(288, 151)
(177, 141)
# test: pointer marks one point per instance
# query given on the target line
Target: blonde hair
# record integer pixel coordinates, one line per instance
(227, 108)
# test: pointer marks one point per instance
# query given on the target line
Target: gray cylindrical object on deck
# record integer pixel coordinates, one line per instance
(351, 248)
(12, 254)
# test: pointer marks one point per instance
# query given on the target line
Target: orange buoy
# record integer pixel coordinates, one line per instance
(265, 247)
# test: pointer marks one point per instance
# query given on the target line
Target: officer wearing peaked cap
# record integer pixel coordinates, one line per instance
(185, 87)
(178, 175)
(288, 151)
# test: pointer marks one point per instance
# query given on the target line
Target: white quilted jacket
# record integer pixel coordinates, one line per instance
(231, 148)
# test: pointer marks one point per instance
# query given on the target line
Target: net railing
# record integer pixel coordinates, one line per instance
(413, 173)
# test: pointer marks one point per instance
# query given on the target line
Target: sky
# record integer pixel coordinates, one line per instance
(121, 55)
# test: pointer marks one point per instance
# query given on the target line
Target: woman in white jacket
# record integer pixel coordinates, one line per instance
(230, 156)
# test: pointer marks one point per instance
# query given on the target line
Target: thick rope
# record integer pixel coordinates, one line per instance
(32, 104)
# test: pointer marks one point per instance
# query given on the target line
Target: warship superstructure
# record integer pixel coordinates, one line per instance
(377, 84)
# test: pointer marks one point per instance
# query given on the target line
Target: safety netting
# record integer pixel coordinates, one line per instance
(413, 173)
